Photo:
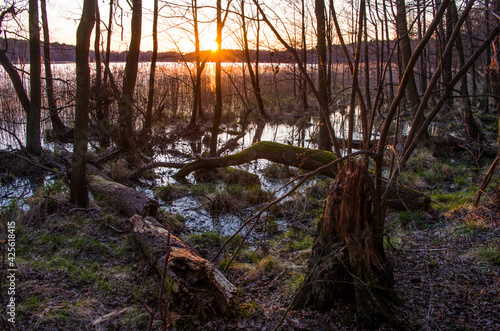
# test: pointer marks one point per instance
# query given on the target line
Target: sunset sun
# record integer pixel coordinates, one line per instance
(213, 46)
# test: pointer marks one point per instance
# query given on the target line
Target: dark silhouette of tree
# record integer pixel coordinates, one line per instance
(152, 70)
(126, 140)
(254, 74)
(218, 83)
(33, 141)
(78, 183)
(324, 142)
(57, 124)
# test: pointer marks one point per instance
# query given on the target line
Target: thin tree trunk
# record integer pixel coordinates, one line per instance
(218, 84)
(108, 41)
(253, 74)
(33, 142)
(367, 65)
(324, 142)
(472, 129)
(57, 124)
(151, 86)
(78, 183)
(126, 141)
(16, 81)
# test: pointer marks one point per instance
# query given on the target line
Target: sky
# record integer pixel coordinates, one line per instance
(64, 16)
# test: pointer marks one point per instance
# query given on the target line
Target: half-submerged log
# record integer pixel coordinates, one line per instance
(194, 283)
(402, 198)
(302, 158)
(125, 200)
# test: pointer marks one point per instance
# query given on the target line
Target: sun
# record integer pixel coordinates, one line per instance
(214, 46)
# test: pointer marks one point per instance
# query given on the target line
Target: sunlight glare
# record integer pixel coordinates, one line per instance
(214, 46)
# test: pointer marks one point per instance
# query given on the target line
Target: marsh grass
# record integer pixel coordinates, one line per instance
(75, 267)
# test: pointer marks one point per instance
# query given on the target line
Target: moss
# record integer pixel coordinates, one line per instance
(172, 192)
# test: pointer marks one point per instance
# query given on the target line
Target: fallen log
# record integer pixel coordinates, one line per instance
(302, 158)
(125, 200)
(402, 198)
(194, 283)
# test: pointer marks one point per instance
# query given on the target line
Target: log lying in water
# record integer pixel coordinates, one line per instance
(195, 284)
(302, 158)
(125, 200)
(402, 198)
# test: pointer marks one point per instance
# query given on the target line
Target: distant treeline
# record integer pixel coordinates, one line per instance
(18, 52)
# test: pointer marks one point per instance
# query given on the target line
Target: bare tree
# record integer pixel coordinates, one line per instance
(152, 70)
(33, 141)
(78, 183)
(126, 140)
(218, 83)
(57, 124)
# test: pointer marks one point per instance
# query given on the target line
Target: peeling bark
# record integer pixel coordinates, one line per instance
(348, 262)
(194, 283)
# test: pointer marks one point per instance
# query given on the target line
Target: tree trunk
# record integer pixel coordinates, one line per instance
(218, 84)
(254, 78)
(123, 199)
(78, 183)
(151, 86)
(16, 81)
(194, 283)
(406, 53)
(472, 129)
(126, 141)
(324, 142)
(348, 262)
(57, 124)
(33, 142)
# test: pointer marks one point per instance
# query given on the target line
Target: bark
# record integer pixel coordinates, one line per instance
(78, 183)
(254, 74)
(16, 81)
(193, 282)
(402, 198)
(123, 199)
(348, 262)
(151, 86)
(57, 124)
(473, 130)
(108, 41)
(406, 53)
(324, 142)
(126, 141)
(218, 84)
(33, 142)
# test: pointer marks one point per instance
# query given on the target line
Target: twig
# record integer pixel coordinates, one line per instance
(486, 181)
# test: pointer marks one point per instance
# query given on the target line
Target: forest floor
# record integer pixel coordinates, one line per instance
(81, 269)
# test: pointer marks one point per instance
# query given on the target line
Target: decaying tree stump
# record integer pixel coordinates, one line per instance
(194, 283)
(348, 262)
(125, 200)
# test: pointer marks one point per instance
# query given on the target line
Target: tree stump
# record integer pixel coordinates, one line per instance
(348, 262)
(194, 283)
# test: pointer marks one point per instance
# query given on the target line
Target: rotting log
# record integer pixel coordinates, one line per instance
(125, 200)
(402, 198)
(193, 282)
